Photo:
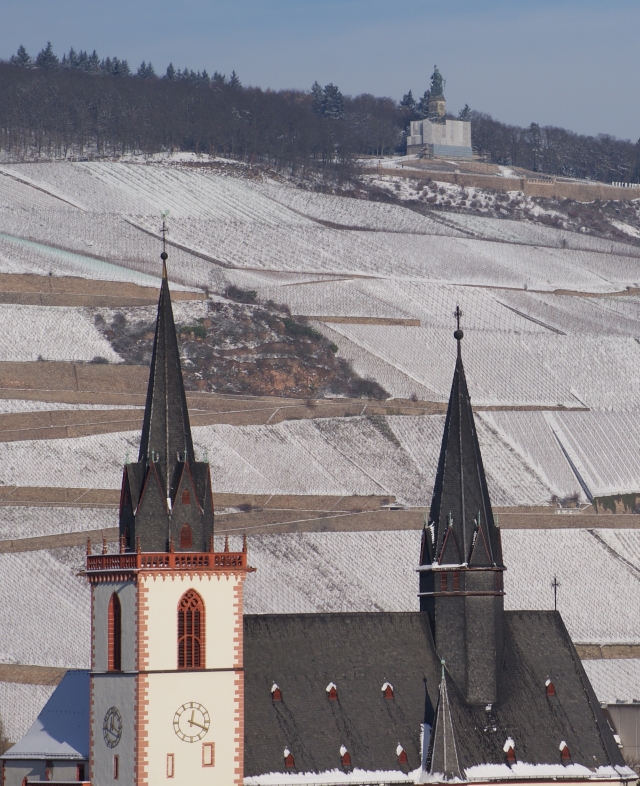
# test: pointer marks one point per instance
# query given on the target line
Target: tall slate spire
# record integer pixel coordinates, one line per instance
(166, 501)
(461, 585)
(166, 431)
(461, 515)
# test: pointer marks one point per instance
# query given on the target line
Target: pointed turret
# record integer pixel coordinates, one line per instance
(461, 568)
(460, 495)
(166, 500)
(443, 762)
(166, 432)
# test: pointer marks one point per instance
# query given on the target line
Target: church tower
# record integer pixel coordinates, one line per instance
(167, 684)
(461, 569)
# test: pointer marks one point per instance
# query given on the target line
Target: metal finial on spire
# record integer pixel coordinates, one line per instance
(442, 662)
(458, 334)
(164, 256)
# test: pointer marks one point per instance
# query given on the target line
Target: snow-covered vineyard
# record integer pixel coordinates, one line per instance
(529, 457)
(339, 572)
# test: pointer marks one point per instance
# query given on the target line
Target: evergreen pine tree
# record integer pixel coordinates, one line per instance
(82, 61)
(234, 82)
(205, 81)
(106, 66)
(93, 63)
(171, 72)
(465, 113)
(146, 71)
(422, 107)
(218, 80)
(21, 58)
(332, 102)
(408, 101)
(47, 59)
(318, 95)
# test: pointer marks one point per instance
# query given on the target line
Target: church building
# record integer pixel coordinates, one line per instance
(184, 688)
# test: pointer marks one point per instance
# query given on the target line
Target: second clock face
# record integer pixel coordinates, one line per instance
(112, 727)
(191, 721)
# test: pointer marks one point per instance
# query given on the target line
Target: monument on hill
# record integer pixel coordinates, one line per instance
(438, 136)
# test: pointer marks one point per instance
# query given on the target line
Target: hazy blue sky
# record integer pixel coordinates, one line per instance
(569, 63)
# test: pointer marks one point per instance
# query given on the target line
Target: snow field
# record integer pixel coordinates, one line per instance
(335, 456)
(39, 587)
(41, 243)
(50, 333)
(20, 705)
(12, 405)
(20, 521)
(530, 233)
(357, 213)
(614, 680)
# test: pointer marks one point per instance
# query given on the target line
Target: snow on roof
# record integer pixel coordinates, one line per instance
(337, 777)
(522, 770)
(61, 730)
(616, 680)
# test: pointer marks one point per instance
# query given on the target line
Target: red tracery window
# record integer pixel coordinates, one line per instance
(186, 497)
(115, 634)
(191, 631)
(186, 538)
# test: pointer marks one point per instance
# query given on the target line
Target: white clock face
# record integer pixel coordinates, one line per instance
(191, 721)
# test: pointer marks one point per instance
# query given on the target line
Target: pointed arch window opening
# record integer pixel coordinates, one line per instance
(114, 634)
(191, 631)
(186, 537)
(186, 497)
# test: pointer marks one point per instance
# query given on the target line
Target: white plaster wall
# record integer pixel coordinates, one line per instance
(163, 595)
(166, 693)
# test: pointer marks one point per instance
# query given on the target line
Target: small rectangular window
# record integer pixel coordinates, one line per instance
(116, 768)
(456, 581)
(80, 772)
(186, 497)
(208, 754)
(443, 582)
(170, 765)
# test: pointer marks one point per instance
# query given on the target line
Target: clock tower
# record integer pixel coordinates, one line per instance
(167, 686)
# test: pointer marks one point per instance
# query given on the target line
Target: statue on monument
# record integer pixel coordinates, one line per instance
(437, 83)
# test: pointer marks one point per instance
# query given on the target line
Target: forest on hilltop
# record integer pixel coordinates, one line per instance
(81, 105)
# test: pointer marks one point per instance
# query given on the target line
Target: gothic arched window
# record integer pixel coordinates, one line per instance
(186, 538)
(191, 631)
(115, 633)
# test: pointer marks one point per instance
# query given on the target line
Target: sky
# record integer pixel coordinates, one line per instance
(566, 63)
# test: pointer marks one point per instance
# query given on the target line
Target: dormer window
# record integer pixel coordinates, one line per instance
(551, 690)
(401, 754)
(289, 761)
(387, 690)
(186, 497)
(565, 753)
(276, 693)
(332, 691)
(510, 751)
(345, 758)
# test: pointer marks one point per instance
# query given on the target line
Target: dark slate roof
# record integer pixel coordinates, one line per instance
(460, 493)
(303, 653)
(166, 429)
(61, 730)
